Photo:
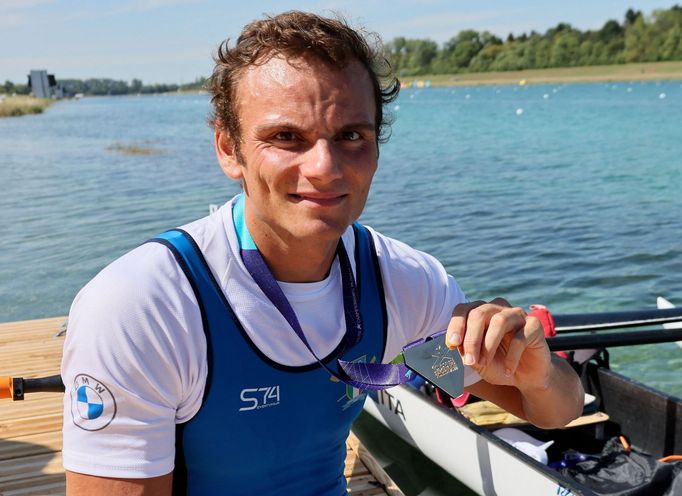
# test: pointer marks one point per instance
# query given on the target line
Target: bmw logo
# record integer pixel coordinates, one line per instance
(93, 407)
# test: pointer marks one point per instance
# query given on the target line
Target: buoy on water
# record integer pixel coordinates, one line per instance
(519, 111)
(662, 96)
(545, 96)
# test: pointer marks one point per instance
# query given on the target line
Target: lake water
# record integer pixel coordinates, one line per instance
(567, 195)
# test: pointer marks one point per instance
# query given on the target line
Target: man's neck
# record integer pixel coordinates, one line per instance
(292, 259)
(298, 262)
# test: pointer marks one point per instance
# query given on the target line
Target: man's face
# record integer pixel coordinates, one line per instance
(309, 148)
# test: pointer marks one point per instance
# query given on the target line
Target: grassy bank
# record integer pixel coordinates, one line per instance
(13, 106)
(140, 148)
(622, 72)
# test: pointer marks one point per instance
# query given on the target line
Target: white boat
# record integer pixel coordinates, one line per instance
(473, 454)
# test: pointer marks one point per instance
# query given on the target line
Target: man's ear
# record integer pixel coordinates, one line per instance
(227, 155)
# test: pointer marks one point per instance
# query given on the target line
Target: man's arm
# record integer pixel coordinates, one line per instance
(90, 485)
(131, 340)
(509, 351)
(548, 408)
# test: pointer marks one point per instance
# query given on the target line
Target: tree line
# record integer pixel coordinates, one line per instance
(638, 38)
(106, 86)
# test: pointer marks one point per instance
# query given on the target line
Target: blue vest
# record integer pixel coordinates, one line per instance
(266, 428)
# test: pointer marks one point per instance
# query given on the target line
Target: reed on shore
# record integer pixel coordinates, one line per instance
(14, 106)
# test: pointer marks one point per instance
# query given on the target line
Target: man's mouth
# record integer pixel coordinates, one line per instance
(319, 199)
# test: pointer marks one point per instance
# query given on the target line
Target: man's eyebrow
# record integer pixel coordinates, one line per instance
(363, 126)
(278, 126)
(368, 127)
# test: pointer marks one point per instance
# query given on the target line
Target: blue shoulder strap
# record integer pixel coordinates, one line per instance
(196, 269)
(370, 284)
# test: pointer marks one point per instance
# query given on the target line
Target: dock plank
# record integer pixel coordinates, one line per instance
(31, 444)
(30, 430)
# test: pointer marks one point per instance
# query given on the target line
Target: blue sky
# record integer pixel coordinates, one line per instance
(172, 40)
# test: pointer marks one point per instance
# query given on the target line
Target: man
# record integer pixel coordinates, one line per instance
(230, 328)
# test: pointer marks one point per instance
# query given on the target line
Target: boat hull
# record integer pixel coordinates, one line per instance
(490, 466)
(468, 452)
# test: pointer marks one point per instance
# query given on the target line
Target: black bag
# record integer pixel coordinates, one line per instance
(618, 472)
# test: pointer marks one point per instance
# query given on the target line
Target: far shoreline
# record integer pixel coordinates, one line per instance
(648, 71)
(18, 105)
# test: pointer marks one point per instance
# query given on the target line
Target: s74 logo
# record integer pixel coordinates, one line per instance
(257, 398)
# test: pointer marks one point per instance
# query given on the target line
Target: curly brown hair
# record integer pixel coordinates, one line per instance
(295, 35)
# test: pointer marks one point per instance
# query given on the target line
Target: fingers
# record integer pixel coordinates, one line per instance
(458, 323)
(529, 335)
(474, 333)
(487, 326)
(479, 328)
(503, 344)
(506, 321)
(517, 346)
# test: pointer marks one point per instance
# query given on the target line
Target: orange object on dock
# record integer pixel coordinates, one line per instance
(6, 390)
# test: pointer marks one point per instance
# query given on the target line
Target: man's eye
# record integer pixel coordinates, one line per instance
(284, 136)
(351, 135)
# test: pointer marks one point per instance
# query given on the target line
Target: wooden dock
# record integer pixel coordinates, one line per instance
(30, 430)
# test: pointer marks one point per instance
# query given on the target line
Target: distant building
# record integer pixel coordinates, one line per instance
(44, 85)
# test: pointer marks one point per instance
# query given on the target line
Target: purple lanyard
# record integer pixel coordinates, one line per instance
(356, 374)
(261, 274)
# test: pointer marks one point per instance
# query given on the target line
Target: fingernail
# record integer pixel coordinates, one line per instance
(507, 372)
(454, 340)
(468, 359)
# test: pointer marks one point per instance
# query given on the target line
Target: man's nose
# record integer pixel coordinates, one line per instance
(322, 162)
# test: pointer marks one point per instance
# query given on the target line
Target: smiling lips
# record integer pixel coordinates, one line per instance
(320, 199)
